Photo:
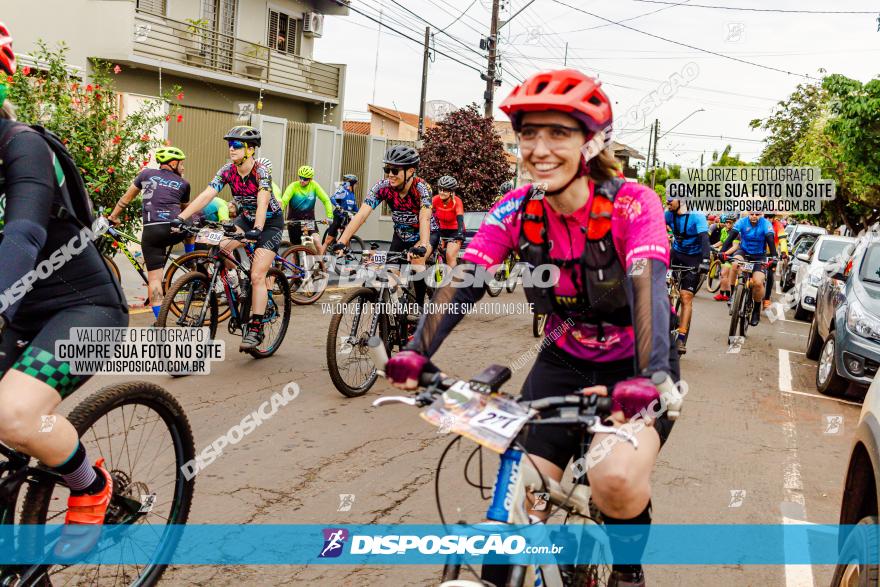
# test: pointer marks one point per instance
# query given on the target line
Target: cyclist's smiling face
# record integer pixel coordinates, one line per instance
(754, 217)
(551, 143)
(395, 175)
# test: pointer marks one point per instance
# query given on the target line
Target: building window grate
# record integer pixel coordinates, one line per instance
(282, 33)
(153, 6)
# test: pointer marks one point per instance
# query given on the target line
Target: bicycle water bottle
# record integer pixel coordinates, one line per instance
(504, 496)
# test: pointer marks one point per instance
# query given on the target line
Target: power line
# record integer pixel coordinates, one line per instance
(457, 18)
(433, 26)
(783, 10)
(600, 26)
(464, 22)
(752, 63)
(421, 43)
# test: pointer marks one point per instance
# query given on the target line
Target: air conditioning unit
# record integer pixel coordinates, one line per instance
(313, 24)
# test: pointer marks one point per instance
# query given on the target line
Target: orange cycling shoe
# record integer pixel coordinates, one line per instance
(84, 519)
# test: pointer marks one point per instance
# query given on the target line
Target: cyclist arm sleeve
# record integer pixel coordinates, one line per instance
(731, 236)
(287, 195)
(30, 191)
(325, 199)
(649, 303)
(770, 239)
(455, 300)
(704, 242)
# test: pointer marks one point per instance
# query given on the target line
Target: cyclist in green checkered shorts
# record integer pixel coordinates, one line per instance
(52, 279)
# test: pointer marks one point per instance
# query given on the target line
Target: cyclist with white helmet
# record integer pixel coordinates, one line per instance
(299, 199)
(164, 194)
(449, 214)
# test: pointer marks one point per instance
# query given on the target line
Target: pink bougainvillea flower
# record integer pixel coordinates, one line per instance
(167, 118)
(180, 96)
(180, 118)
(110, 170)
(117, 139)
(25, 70)
(117, 70)
(145, 138)
(89, 88)
(88, 149)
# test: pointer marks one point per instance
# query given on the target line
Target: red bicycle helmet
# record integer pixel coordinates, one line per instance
(7, 57)
(566, 90)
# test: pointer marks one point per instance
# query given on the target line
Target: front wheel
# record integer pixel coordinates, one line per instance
(736, 311)
(196, 302)
(713, 280)
(348, 360)
(276, 317)
(305, 273)
(145, 438)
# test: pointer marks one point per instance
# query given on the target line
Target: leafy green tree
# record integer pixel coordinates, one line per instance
(109, 148)
(789, 122)
(466, 146)
(662, 174)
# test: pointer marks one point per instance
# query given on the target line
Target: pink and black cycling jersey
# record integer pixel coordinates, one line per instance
(638, 232)
(404, 210)
(245, 189)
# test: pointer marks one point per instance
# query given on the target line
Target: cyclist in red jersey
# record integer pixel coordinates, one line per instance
(449, 213)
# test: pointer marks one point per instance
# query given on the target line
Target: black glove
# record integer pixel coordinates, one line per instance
(338, 247)
(253, 234)
(704, 266)
(179, 223)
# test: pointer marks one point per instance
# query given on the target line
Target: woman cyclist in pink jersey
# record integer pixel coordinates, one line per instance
(609, 305)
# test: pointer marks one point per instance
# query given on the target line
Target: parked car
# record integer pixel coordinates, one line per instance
(788, 268)
(801, 230)
(861, 494)
(811, 270)
(472, 222)
(845, 332)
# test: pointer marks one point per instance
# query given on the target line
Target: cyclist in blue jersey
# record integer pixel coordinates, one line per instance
(344, 207)
(756, 236)
(690, 247)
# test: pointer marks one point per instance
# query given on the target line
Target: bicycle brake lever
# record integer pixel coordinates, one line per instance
(394, 399)
(626, 435)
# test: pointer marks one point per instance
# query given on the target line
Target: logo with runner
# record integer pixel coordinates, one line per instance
(334, 539)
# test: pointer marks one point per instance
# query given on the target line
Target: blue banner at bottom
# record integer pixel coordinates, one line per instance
(711, 544)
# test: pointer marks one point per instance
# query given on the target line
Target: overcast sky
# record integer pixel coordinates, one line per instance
(631, 64)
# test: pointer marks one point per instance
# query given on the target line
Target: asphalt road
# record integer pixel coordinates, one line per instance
(753, 442)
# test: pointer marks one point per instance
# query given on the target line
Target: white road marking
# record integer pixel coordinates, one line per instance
(833, 399)
(793, 490)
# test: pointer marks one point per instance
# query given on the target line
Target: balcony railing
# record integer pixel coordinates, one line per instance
(166, 39)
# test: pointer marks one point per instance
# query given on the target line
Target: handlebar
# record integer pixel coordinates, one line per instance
(305, 222)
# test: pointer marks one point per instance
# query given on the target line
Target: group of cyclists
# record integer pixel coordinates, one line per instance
(578, 215)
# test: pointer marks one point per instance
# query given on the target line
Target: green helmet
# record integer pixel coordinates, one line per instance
(168, 154)
(306, 171)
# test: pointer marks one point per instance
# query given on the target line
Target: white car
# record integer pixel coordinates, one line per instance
(812, 268)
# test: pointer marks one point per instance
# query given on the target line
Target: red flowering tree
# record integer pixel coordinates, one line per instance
(466, 146)
(87, 114)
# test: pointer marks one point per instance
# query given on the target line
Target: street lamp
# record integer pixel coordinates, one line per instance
(681, 121)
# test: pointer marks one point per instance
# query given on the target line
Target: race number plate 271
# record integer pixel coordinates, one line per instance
(496, 418)
(209, 237)
(748, 266)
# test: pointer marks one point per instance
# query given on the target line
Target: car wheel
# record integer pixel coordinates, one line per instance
(801, 313)
(827, 379)
(859, 550)
(814, 343)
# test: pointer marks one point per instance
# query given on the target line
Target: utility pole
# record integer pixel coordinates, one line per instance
(565, 59)
(424, 82)
(648, 160)
(656, 136)
(492, 46)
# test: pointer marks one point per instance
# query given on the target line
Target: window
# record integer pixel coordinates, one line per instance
(282, 32)
(153, 6)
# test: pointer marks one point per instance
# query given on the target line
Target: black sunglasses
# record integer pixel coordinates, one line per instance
(392, 170)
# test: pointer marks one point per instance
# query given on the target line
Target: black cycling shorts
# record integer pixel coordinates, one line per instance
(155, 241)
(556, 372)
(448, 234)
(30, 348)
(270, 238)
(762, 258)
(690, 280)
(398, 245)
